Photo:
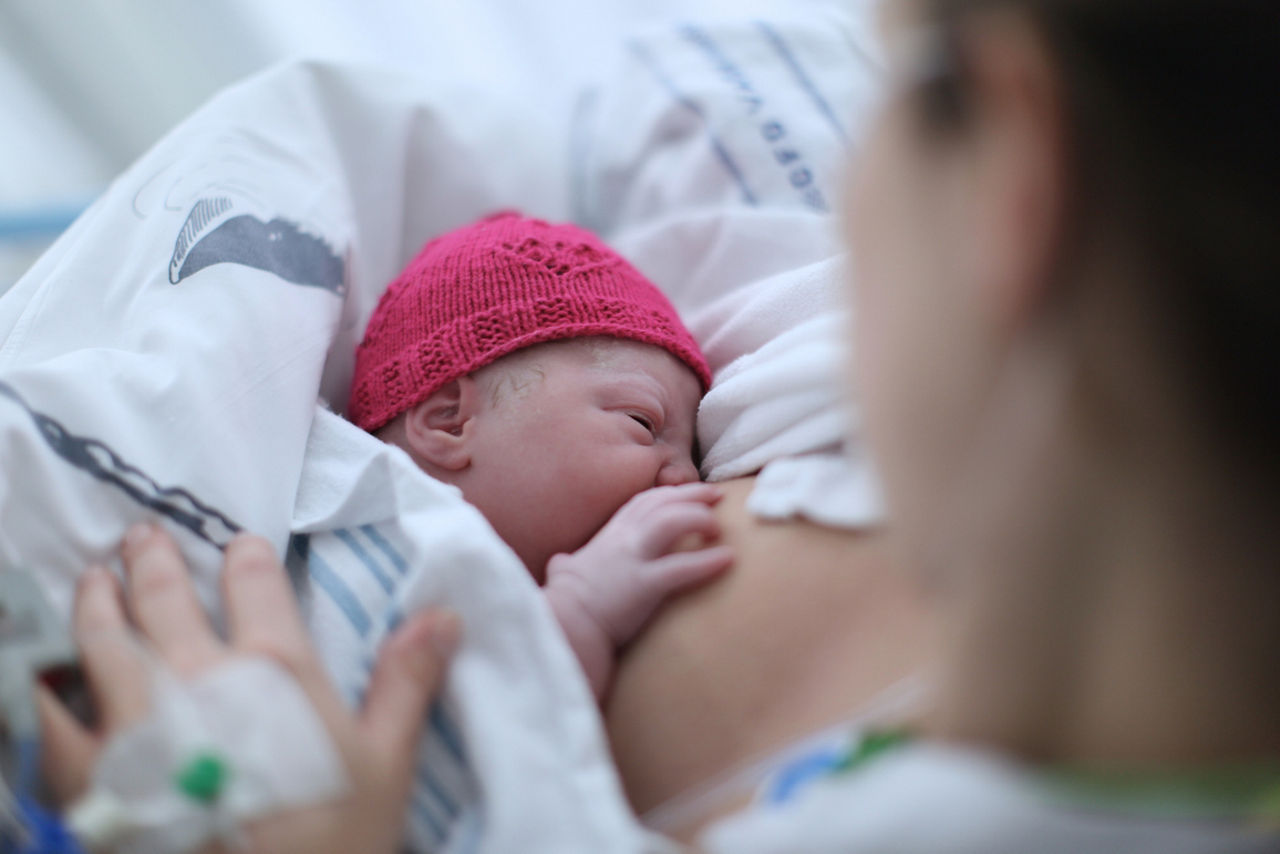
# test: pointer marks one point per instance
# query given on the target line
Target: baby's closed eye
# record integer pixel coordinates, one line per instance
(644, 421)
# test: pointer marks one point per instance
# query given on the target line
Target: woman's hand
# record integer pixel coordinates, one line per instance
(377, 745)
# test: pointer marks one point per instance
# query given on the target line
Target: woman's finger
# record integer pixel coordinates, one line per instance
(263, 619)
(68, 751)
(409, 674)
(114, 664)
(163, 601)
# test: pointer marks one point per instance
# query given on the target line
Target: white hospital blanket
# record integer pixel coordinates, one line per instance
(164, 360)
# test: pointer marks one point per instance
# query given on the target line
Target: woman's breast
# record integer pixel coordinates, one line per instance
(809, 625)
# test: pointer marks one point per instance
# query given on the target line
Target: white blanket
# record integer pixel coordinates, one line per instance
(164, 360)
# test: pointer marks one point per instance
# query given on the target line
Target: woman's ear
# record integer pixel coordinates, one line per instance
(439, 430)
(1020, 208)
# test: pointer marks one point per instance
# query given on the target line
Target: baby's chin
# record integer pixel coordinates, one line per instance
(536, 555)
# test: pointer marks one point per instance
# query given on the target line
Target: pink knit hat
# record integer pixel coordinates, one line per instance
(476, 294)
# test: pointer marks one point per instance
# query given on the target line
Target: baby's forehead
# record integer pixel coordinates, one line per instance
(609, 352)
(614, 359)
(598, 352)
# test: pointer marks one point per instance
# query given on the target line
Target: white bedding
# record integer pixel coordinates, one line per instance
(165, 358)
(713, 160)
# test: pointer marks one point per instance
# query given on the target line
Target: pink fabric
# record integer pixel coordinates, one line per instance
(479, 293)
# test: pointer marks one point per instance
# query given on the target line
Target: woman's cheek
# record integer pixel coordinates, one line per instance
(889, 234)
(871, 230)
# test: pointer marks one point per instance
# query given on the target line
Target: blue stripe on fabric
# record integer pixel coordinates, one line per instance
(328, 581)
(394, 618)
(370, 564)
(448, 733)
(381, 543)
(721, 152)
(433, 824)
(806, 82)
(703, 40)
(438, 791)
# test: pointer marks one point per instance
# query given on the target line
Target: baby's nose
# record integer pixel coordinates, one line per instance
(676, 472)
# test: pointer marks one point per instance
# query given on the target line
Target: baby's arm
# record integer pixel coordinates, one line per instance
(605, 591)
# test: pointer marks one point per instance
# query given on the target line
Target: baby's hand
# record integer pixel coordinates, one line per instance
(604, 592)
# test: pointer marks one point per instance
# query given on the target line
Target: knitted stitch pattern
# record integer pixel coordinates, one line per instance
(486, 290)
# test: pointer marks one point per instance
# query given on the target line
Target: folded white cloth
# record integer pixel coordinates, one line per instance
(835, 489)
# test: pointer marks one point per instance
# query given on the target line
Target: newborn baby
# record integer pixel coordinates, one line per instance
(536, 370)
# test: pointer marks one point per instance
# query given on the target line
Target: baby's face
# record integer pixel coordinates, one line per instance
(572, 431)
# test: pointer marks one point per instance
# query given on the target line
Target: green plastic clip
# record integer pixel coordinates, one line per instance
(203, 778)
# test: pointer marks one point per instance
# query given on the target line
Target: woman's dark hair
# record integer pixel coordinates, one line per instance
(1173, 116)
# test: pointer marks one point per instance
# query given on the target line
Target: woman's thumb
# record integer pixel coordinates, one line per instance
(410, 671)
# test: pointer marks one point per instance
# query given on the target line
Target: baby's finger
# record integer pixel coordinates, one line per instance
(661, 496)
(263, 619)
(677, 572)
(666, 526)
(164, 603)
(114, 662)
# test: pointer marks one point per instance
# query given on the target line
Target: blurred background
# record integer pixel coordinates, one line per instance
(87, 86)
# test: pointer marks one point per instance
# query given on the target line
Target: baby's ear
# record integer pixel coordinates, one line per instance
(437, 428)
